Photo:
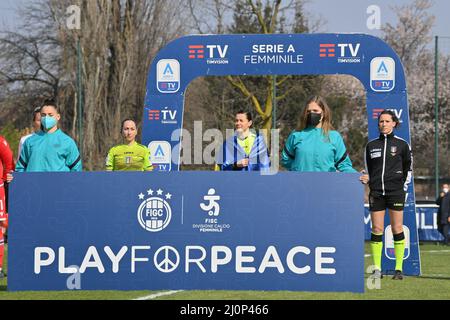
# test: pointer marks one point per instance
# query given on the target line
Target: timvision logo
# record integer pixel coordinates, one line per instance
(214, 54)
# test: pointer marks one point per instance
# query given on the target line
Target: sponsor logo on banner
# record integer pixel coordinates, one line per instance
(154, 213)
(212, 206)
(214, 54)
(166, 116)
(376, 113)
(273, 54)
(169, 116)
(382, 74)
(389, 243)
(153, 114)
(327, 50)
(161, 155)
(342, 52)
(211, 221)
(196, 52)
(168, 75)
(398, 112)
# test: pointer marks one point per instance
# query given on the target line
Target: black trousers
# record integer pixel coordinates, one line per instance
(445, 229)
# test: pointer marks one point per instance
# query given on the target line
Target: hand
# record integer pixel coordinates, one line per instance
(9, 177)
(364, 178)
(4, 224)
(243, 163)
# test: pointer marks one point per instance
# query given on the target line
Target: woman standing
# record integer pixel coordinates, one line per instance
(316, 146)
(129, 156)
(389, 166)
(245, 151)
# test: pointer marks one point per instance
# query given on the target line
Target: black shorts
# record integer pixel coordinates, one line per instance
(378, 202)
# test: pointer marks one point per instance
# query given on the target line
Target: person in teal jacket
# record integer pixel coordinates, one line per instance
(49, 150)
(316, 146)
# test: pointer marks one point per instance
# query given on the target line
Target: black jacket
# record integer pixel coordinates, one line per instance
(444, 209)
(389, 164)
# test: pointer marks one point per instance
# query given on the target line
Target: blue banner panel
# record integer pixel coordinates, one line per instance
(186, 230)
(427, 223)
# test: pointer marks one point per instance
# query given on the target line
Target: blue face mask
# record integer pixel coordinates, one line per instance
(48, 122)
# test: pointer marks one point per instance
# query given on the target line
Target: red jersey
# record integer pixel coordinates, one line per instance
(6, 159)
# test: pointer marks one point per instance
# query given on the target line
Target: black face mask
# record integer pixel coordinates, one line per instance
(313, 119)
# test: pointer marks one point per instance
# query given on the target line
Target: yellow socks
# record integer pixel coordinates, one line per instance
(376, 244)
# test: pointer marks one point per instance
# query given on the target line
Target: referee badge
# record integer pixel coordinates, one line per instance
(393, 150)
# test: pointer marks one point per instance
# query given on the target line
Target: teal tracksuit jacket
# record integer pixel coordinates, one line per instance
(49, 152)
(309, 150)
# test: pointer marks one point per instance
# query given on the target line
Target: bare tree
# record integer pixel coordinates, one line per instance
(118, 40)
(224, 97)
(411, 39)
(412, 34)
(209, 16)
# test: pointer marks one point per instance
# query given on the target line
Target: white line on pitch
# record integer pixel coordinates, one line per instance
(160, 294)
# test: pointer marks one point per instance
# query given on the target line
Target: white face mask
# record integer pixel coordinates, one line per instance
(445, 190)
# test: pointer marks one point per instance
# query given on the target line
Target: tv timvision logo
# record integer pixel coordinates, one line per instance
(214, 54)
(166, 116)
(345, 53)
(397, 111)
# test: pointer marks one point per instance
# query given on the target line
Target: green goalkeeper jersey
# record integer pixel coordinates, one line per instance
(134, 157)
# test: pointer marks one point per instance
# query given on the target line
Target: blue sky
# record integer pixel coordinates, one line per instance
(351, 16)
(341, 16)
(8, 15)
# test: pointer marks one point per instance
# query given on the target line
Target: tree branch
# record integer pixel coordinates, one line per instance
(259, 16)
(241, 86)
(273, 21)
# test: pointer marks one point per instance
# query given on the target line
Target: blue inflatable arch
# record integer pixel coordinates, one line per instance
(365, 57)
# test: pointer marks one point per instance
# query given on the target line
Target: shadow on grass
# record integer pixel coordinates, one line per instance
(3, 287)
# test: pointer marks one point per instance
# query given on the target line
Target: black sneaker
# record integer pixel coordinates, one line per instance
(397, 275)
(377, 274)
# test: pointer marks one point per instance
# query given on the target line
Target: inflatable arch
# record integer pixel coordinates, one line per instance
(367, 58)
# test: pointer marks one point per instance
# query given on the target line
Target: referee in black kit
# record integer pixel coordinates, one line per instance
(389, 167)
